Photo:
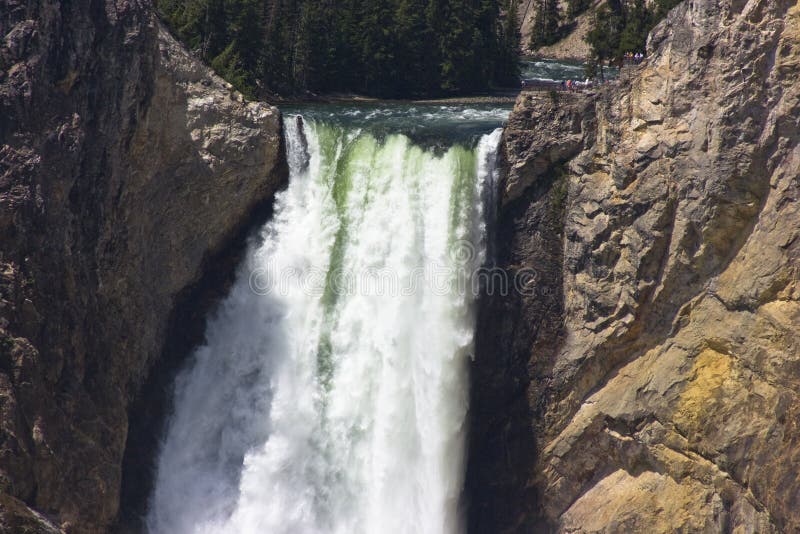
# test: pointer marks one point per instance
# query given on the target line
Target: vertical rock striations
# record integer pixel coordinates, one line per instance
(504, 406)
(125, 166)
(648, 380)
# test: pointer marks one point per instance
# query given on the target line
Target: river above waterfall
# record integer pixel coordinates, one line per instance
(331, 393)
(436, 125)
(555, 70)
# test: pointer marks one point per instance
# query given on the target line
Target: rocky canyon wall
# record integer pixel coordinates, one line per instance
(649, 378)
(126, 167)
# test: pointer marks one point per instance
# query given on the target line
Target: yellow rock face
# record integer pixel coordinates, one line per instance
(613, 505)
(711, 371)
(669, 400)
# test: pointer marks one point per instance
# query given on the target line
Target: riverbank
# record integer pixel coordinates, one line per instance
(531, 67)
(500, 97)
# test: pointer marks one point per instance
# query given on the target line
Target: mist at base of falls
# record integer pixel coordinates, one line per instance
(331, 394)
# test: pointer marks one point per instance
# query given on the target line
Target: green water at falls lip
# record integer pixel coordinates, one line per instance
(315, 408)
(427, 125)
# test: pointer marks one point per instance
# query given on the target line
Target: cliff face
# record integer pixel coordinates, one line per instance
(125, 167)
(647, 380)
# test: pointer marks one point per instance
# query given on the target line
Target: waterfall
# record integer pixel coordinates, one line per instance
(331, 393)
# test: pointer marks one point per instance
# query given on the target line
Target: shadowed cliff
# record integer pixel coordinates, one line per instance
(125, 169)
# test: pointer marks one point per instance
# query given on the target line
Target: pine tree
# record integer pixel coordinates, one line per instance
(511, 26)
(603, 37)
(546, 23)
(577, 7)
(274, 68)
(506, 70)
(636, 27)
(228, 64)
(214, 31)
(415, 40)
(246, 30)
(377, 46)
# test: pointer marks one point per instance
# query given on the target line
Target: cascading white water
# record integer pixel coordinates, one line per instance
(332, 390)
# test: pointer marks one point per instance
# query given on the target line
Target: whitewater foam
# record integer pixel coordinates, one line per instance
(331, 410)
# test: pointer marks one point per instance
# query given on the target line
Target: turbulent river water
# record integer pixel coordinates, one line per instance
(548, 69)
(331, 393)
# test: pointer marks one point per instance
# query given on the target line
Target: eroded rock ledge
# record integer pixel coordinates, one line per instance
(125, 167)
(650, 381)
